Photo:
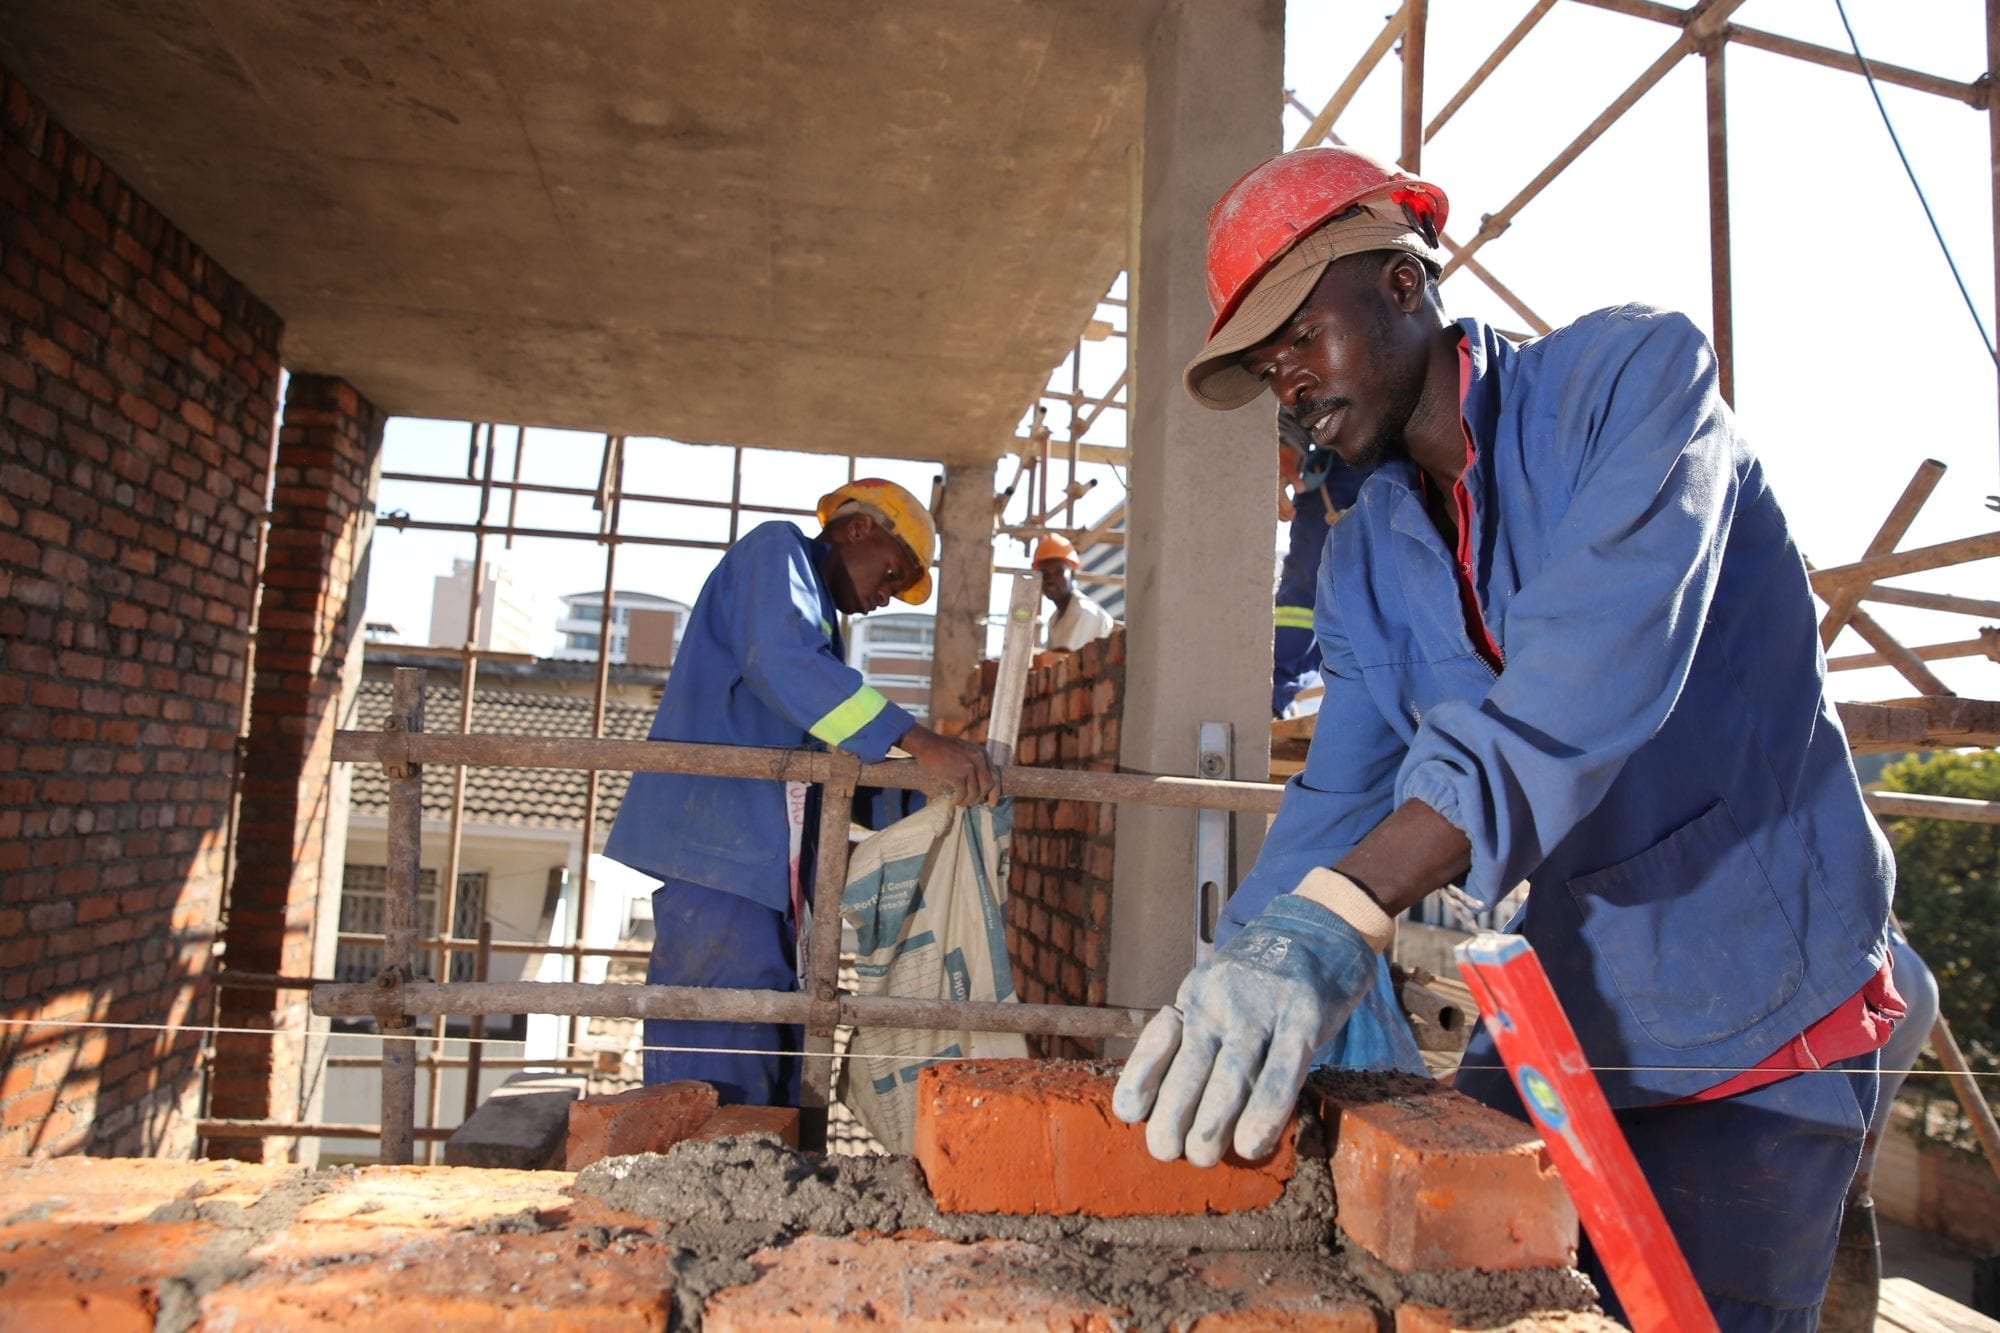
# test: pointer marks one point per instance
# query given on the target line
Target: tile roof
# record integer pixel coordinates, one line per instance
(513, 797)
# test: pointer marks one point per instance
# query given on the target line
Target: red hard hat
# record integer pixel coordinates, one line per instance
(1274, 203)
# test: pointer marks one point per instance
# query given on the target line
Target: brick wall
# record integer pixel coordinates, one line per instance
(1059, 890)
(138, 387)
(322, 515)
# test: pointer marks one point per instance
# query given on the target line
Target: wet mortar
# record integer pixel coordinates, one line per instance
(724, 1199)
(224, 1259)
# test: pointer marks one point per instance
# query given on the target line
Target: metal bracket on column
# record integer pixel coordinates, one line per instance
(1213, 744)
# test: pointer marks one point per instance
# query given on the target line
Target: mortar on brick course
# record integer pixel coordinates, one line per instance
(225, 1259)
(725, 1199)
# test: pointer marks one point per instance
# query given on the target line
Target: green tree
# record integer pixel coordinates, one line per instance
(1948, 892)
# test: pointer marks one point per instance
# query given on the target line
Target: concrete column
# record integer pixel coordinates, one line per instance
(322, 517)
(1199, 545)
(964, 585)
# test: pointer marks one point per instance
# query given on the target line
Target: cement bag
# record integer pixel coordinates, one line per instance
(926, 897)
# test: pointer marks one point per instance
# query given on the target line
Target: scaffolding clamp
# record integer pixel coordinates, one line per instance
(822, 1017)
(390, 1011)
(393, 748)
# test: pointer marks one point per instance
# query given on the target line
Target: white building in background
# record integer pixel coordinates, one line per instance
(645, 630)
(506, 612)
(893, 653)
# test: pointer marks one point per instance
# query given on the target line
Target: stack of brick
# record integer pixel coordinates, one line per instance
(1426, 1180)
(654, 1119)
(216, 1245)
(138, 385)
(1059, 889)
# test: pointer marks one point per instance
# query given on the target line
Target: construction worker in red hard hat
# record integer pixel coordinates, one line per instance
(1078, 620)
(761, 663)
(1567, 639)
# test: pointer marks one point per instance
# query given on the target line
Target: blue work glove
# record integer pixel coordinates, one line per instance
(1233, 1050)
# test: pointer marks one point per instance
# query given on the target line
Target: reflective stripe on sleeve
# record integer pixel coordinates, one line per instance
(859, 709)
(1294, 617)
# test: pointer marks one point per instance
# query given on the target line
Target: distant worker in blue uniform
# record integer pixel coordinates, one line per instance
(1566, 638)
(1314, 488)
(761, 662)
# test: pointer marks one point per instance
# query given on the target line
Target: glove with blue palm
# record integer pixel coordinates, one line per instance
(1224, 1064)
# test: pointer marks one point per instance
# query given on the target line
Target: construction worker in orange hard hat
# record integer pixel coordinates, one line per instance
(1566, 639)
(1078, 620)
(761, 662)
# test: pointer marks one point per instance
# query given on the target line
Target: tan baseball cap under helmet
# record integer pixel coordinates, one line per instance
(1215, 378)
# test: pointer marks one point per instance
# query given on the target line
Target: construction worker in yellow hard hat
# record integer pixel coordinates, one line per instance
(761, 663)
(1078, 620)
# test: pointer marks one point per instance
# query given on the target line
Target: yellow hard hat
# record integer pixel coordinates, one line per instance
(898, 511)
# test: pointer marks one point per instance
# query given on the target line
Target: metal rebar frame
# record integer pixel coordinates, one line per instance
(608, 497)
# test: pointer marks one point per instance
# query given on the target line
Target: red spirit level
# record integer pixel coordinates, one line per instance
(1640, 1256)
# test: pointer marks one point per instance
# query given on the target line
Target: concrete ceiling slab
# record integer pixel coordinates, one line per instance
(831, 225)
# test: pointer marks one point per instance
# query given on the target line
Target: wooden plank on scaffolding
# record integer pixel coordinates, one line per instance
(1987, 645)
(1952, 721)
(1842, 603)
(1882, 728)
(1931, 601)
(1932, 807)
(1981, 547)
(1909, 1307)
(1907, 664)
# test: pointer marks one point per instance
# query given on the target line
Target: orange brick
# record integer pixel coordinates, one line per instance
(1429, 1179)
(1433, 1319)
(642, 1120)
(62, 1275)
(1027, 1137)
(1269, 1295)
(436, 1196)
(114, 1189)
(361, 1278)
(779, 1122)
(818, 1282)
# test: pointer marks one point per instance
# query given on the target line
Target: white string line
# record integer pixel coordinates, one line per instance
(302, 1035)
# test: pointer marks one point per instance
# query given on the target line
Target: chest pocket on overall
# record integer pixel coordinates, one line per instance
(1693, 934)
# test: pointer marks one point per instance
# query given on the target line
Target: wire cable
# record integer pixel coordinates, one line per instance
(302, 1035)
(1910, 171)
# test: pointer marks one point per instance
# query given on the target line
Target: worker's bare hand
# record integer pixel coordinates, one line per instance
(961, 765)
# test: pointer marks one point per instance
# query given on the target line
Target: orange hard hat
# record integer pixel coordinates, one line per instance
(1053, 547)
(1276, 202)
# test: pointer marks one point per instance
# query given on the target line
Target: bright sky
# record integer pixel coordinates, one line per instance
(1855, 356)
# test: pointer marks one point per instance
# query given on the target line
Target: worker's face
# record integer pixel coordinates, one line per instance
(870, 565)
(1055, 579)
(1350, 363)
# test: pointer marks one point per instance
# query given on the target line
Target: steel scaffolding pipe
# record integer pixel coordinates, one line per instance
(623, 1000)
(733, 761)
